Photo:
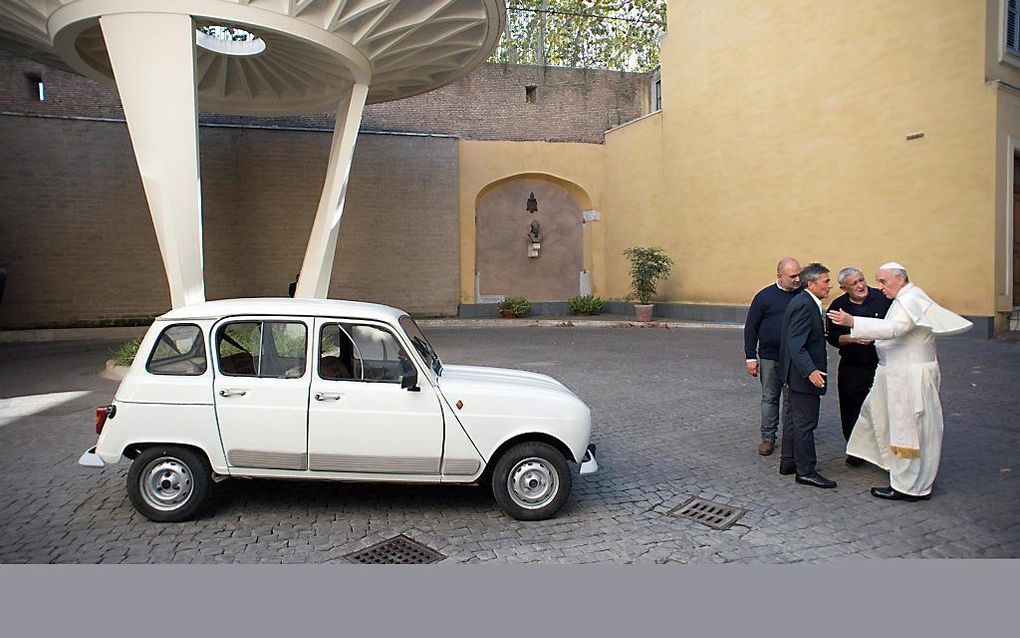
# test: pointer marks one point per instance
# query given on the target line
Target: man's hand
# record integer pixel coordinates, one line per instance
(847, 340)
(841, 318)
(817, 378)
(752, 368)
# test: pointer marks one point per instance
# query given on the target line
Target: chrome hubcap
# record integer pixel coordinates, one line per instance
(166, 483)
(533, 483)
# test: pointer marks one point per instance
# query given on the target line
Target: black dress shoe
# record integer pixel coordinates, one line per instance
(816, 480)
(853, 461)
(893, 495)
(786, 471)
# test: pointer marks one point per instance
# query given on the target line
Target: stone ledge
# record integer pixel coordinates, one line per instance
(71, 334)
(707, 313)
(686, 315)
(569, 322)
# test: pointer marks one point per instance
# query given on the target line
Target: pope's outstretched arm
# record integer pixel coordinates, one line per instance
(889, 328)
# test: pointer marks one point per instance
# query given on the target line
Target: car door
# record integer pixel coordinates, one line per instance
(360, 419)
(261, 391)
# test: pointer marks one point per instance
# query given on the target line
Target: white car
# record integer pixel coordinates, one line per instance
(331, 390)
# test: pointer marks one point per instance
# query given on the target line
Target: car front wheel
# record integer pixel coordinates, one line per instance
(168, 484)
(531, 481)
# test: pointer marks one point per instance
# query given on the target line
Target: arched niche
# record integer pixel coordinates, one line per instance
(505, 263)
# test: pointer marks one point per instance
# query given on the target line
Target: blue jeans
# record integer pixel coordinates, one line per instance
(771, 388)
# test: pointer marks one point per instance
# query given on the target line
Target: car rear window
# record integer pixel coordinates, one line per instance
(179, 350)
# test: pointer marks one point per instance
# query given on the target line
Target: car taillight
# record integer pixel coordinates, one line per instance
(103, 413)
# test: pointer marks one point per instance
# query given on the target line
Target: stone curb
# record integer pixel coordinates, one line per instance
(71, 334)
(568, 322)
(114, 372)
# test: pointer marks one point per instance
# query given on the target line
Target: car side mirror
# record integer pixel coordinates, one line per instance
(409, 381)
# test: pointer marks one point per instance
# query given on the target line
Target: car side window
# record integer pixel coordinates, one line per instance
(283, 349)
(336, 354)
(179, 350)
(357, 352)
(267, 349)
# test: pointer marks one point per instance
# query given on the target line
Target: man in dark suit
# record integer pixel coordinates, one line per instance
(802, 367)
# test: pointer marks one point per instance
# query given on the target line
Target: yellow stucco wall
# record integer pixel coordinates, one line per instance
(784, 128)
(783, 132)
(636, 209)
(578, 167)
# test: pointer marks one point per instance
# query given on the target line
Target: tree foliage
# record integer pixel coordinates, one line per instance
(601, 34)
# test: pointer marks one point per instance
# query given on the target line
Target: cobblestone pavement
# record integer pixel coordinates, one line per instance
(676, 417)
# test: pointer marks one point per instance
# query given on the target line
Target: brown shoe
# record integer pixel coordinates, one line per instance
(765, 448)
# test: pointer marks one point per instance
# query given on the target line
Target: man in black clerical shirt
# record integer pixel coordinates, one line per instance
(858, 358)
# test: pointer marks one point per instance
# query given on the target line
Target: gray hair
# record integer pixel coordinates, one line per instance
(812, 272)
(896, 269)
(846, 272)
(901, 272)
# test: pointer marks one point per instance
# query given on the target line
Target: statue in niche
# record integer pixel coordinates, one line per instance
(535, 234)
(532, 206)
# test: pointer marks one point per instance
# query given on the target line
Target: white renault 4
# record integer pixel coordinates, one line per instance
(331, 390)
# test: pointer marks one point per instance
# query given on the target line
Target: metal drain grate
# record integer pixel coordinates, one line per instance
(399, 550)
(715, 515)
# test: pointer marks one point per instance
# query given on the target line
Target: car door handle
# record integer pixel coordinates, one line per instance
(328, 396)
(233, 393)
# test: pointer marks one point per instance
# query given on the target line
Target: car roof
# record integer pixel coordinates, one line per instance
(284, 306)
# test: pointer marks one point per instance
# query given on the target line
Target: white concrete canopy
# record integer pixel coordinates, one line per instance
(311, 56)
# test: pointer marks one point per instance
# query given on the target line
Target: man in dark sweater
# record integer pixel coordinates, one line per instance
(761, 344)
(858, 358)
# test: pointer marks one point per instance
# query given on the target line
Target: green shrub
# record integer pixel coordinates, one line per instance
(586, 304)
(647, 265)
(520, 306)
(124, 355)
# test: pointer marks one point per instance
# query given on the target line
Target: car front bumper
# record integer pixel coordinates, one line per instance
(588, 464)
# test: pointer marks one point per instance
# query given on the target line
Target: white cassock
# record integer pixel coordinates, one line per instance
(900, 427)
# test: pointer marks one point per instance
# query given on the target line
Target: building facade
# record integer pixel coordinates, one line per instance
(846, 133)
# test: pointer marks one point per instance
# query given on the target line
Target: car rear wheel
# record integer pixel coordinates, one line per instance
(531, 481)
(168, 484)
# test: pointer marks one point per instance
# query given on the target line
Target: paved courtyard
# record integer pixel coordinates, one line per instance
(675, 417)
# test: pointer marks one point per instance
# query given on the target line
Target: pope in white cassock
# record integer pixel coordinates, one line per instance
(900, 427)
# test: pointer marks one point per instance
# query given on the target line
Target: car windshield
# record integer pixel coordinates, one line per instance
(421, 344)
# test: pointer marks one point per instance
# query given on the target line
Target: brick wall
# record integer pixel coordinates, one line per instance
(490, 103)
(79, 248)
(78, 243)
(570, 105)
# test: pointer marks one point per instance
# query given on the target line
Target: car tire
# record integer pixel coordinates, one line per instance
(531, 481)
(168, 484)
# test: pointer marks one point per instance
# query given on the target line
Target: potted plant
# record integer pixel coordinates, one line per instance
(514, 307)
(586, 304)
(647, 266)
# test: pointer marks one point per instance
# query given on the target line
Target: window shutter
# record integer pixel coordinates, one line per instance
(1012, 27)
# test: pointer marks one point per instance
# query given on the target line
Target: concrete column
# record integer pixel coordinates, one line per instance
(153, 59)
(317, 266)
